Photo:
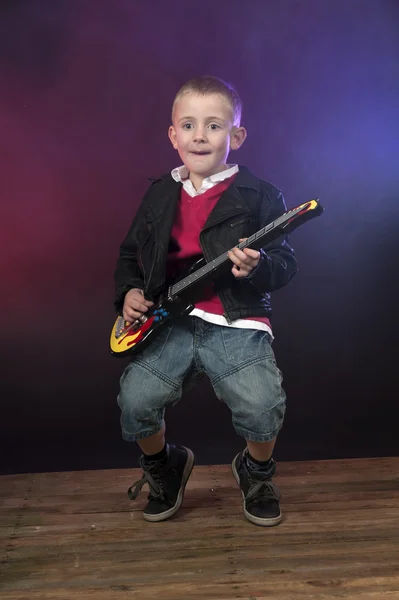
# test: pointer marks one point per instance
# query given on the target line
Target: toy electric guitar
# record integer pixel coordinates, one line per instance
(128, 338)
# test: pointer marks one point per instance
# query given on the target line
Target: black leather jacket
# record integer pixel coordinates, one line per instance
(248, 205)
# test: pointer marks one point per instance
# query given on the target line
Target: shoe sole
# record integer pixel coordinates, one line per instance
(255, 520)
(179, 501)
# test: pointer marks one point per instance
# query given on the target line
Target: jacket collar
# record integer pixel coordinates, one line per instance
(245, 179)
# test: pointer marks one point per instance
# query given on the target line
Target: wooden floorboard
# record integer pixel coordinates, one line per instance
(76, 535)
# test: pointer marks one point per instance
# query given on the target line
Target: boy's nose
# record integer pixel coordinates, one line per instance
(199, 135)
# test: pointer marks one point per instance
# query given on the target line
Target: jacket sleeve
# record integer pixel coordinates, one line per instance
(277, 263)
(128, 274)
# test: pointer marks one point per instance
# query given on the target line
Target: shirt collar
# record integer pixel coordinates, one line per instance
(180, 174)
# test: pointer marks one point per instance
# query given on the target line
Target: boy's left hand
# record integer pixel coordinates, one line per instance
(244, 260)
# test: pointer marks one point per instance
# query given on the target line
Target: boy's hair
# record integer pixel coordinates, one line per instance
(206, 85)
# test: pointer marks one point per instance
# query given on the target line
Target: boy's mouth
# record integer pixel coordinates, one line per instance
(199, 153)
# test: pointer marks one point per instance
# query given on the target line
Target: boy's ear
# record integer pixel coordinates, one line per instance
(172, 136)
(237, 138)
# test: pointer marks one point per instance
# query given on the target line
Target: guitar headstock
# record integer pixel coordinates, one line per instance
(300, 214)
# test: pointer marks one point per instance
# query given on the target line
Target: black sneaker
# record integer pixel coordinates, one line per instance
(166, 480)
(261, 498)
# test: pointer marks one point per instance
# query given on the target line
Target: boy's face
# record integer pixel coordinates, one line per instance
(203, 133)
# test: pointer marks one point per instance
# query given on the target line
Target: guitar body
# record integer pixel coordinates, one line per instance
(129, 339)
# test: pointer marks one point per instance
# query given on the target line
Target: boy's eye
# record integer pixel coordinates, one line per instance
(214, 126)
(187, 126)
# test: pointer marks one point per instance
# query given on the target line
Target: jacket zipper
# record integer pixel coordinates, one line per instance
(154, 225)
(226, 316)
(141, 262)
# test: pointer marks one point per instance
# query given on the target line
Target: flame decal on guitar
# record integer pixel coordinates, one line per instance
(129, 338)
(132, 336)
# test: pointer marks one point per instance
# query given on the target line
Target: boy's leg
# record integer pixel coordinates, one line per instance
(242, 369)
(154, 444)
(148, 385)
(261, 451)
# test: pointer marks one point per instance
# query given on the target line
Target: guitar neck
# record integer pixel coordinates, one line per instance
(289, 221)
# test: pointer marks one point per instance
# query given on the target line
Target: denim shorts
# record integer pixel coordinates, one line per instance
(240, 364)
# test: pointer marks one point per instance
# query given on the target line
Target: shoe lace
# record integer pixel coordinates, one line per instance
(153, 476)
(262, 490)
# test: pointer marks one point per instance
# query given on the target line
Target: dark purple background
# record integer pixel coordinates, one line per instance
(86, 91)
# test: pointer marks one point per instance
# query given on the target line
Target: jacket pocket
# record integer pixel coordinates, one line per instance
(242, 228)
(248, 220)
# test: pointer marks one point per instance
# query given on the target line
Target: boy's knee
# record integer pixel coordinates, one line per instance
(260, 424)
(142, 400)
(139, 418)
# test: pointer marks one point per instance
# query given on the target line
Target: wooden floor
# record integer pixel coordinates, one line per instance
(77, 536)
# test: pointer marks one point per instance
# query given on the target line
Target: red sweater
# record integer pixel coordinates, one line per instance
(191, 216)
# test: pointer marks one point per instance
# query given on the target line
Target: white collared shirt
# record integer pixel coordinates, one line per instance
(181, 174)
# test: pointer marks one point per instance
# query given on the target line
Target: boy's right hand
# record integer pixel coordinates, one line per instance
(135, 305)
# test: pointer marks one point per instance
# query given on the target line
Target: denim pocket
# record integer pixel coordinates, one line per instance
(156, 344)
(242, 345)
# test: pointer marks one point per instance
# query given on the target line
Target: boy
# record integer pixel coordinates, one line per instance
(205, 207)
